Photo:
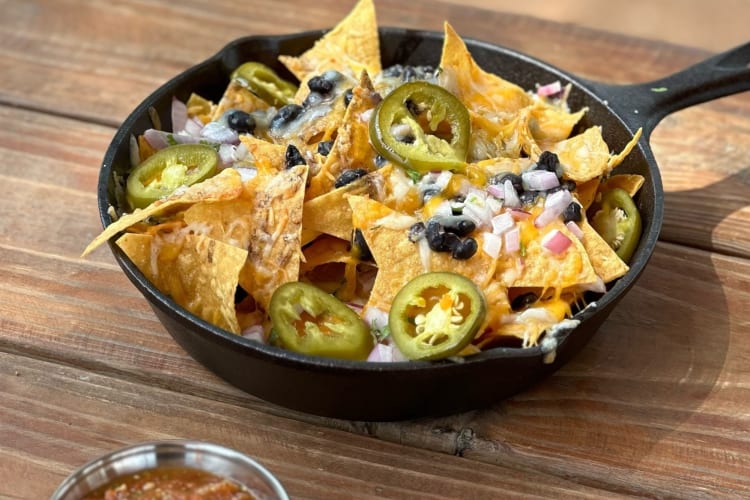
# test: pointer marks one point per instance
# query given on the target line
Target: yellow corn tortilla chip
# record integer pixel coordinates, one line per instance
(583, 156)
(607, 264)
(615, 160)
(275, 251)
(481, 92)
(239, 97)
(198, 272)
(351, 46)
(331, 213)
(230, 222)
(544, 269)
(352, 148)
(550, 124)
(226, 185)
(321, 260)
(397, 258)
(586, 192)
(266, 156)
(630, 183)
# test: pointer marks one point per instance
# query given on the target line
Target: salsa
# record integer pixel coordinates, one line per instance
(171, 483)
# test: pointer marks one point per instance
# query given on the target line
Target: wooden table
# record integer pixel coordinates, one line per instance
(657, 405)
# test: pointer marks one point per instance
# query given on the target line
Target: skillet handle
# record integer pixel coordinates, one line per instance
(645, 104)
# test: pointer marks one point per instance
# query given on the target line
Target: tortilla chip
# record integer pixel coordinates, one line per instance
(266, 156)
(607, 264)
(198, 272)
(352, 148)
(330, 265)
(484, 93)
(230, 222)
(583, 156)
(551, 124)
(630, 183)
(236, 96)
(586, 192)
(351, 46)
(615, 160)
(544, 269)
(226, 185)
(398, 259)
(331, 213)
(275, 250)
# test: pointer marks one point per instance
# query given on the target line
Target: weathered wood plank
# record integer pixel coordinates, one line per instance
(46, 407)
(669, 369)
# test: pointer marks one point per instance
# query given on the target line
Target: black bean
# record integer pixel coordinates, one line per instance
(380, 161)
(348, 95)
(465, 249)
(572, 212)
(285, 115)
(349, 176)
(240, 121)
(320, 84)
(451, 242)
(324, 147)
(523, 300)
(293, 157)
(435, 235)
(548, 161)
(360, 249)
(514, 179)
(417, 232)
(460, 227)
(528, 197)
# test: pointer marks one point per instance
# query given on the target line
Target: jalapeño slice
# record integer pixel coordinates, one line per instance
(618, 221)
(167, 169)
(265, 83)
(308, 320)
(436, 315)
(422, 127)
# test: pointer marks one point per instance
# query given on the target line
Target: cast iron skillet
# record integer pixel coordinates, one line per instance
(393, 391)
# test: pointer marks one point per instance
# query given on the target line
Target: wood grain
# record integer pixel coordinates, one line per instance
(655, 406)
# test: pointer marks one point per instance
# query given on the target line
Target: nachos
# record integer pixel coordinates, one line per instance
(362, 212)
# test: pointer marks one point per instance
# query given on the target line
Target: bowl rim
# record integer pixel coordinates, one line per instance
(155, 447)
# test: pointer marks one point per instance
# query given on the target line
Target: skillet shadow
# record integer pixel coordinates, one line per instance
(652, 363)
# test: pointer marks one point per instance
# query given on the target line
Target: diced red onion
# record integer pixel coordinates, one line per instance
(496, 191)
(556, 242)
(247, 173)
(512, 240)
(539, 180)
(554, 205)
(375, 318)
(443, 178)
(220, 133)
(492, 244)
(444, 209)
(510, 195)
(573, 228)
(479, 213)
(519, 214)
(156, 138)
(502, 223)
(550, 89)
(179, 115)
(255, 332)
(226, 154)
(193, 127)
(135, 152)
(386, 353)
